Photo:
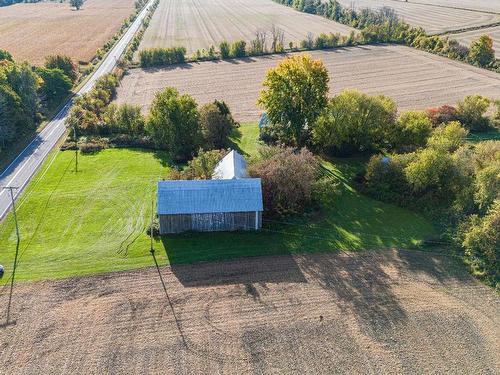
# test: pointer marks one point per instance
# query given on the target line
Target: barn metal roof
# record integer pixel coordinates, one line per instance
(233, 165)
(209, 196)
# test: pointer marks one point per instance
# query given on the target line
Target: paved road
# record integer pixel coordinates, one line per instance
(22, 169)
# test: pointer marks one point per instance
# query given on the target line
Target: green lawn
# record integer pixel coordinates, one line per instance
(94, 221)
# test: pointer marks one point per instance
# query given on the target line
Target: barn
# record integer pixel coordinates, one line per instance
(209, 205)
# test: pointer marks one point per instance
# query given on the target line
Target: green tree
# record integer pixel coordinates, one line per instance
(432, 171)
(55, 87)
(224, 49)
(125, 119)
(411, 131)
(5, 55)
(11, 115)
(64, 63)
(174, 125)
(481, 51)
(481, 244)
(471, 112)
(355, 122)
(77, 4)
(217, 125)
(295, 93)
(448, 137)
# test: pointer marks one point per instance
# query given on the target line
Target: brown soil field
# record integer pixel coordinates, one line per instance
(33, 31)
(414, 79)
(480, 5)
(390, 312)
(197, 24)
(434, 19)
(467, 37)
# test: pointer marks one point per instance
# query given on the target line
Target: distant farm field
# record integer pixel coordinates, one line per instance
(33, 31)
(197, 24)
(414, 79)
(434, 19)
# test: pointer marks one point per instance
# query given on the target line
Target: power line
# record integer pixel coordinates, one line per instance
(11, 189)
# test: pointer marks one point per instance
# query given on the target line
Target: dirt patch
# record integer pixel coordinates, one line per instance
(414, 79)
(33, 31)
(370, 312)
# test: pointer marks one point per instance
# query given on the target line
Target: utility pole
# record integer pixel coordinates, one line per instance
(76, 149)
(151, 249)
(11, 189)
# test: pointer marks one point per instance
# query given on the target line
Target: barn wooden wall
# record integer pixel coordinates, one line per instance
(211, 222)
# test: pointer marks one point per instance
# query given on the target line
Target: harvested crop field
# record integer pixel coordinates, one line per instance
(197, 24)
(33, 31)
(480, 5)
(369, 312)
(467, 37)
(434, 19)
(414, 79)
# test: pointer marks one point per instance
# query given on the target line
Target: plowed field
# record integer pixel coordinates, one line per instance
(434, 19)
(391, 312)
(197, 24)
(414, 79)
(33, 31)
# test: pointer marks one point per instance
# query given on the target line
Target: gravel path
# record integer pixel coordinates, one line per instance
(414, 79)
(370, 312)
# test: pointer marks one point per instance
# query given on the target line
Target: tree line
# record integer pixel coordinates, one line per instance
(27, 93)
(384, 26)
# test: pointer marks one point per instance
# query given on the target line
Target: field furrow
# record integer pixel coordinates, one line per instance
(434, 19)
(33, 31)
(414, 79)
(367, 312)
(198, 24)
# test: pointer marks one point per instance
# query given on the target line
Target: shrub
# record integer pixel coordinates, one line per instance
(411, 131)
(217, 124)
(224, 49)
(125, 118)
(92, 146)
(432, 172)
(354, 122)
(472, 112)
(238, 49)
(448, 137)
(385, 179)
(441, 115)
(162, 56)
(287, 177)
(481, 51)
(5, 55)
(481, 244)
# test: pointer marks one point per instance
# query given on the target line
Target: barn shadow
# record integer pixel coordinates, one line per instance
(195, 267)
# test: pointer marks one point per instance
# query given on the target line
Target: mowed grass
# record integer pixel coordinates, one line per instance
(94, 221)
(350, 222)
(87, 222)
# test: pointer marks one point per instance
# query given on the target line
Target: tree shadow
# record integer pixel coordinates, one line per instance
(162, 157)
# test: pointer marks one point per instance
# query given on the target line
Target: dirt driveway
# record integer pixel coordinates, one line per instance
(370, 312)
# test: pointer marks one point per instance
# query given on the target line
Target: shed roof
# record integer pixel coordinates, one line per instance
(209, 196)
(233, 165)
